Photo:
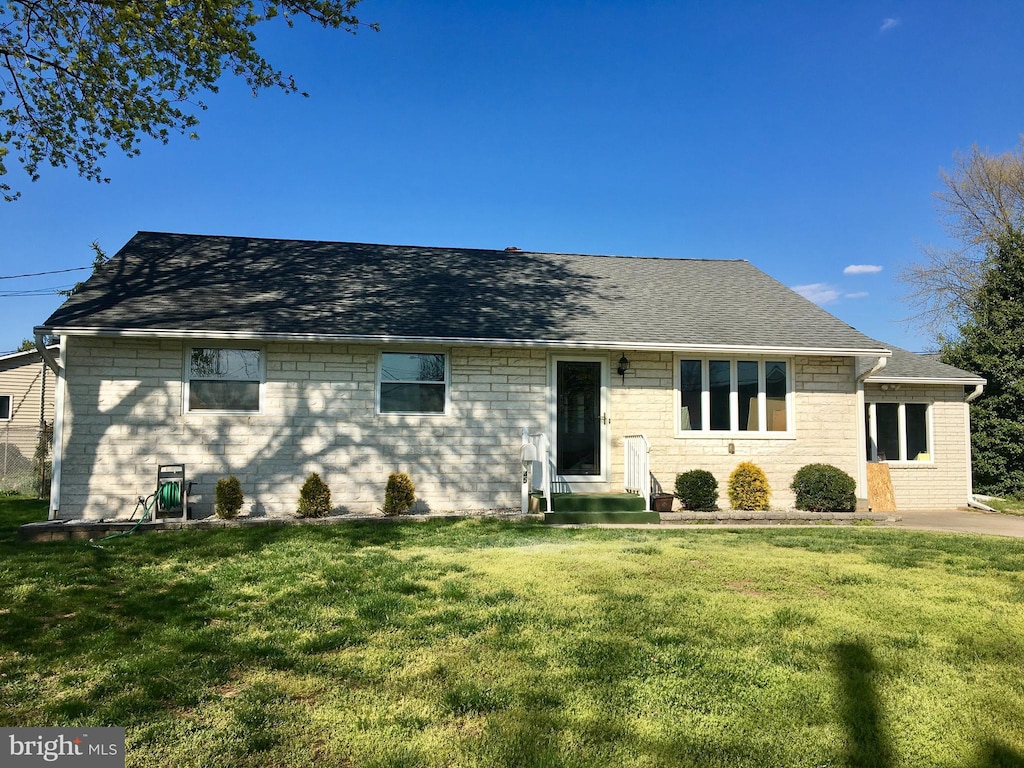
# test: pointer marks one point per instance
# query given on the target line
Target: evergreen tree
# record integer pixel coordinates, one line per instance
(991, 344)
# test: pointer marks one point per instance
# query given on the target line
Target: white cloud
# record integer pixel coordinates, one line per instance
(819, 293)
(862, 269)
(889, 24)
(857, 295)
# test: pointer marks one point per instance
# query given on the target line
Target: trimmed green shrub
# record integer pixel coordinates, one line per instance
(697, 489)
(228, 498)
(824, 488)
(748, 487)
(399, 494)
(314, 498)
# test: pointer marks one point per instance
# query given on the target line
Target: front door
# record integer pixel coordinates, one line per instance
(579, 419)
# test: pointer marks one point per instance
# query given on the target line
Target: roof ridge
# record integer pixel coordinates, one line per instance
(521, 251)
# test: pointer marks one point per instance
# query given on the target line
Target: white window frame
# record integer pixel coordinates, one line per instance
(414, 351)
(10, 407)
(734, 431)
(901, 427)
(187, 377)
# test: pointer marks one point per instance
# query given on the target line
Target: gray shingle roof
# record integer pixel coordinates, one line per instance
(206, 284)
(908, 365)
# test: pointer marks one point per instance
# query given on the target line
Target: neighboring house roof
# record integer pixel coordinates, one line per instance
(908, 366)
(12, 359)
(193, 286)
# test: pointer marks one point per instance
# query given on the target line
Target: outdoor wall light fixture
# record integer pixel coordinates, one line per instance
(623, 367)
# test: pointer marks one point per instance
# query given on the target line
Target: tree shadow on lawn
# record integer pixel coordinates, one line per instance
(868, 744)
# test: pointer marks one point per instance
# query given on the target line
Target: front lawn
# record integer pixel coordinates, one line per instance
(486, 643)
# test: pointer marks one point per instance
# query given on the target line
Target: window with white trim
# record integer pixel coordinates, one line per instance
(413, 382)
(898, 431)
(730, 395)
(5, 407)
(224, 379)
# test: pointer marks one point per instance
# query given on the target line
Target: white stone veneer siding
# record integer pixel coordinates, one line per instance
(943, 481)
(825, 411)
(124, 416)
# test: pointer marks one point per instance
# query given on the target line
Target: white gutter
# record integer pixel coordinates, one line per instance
(160, 333)
(920, 380)
(971, 501)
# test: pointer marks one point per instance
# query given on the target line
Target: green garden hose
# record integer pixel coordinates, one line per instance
(168, 495)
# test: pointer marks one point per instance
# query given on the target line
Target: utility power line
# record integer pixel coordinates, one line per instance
(37, 274)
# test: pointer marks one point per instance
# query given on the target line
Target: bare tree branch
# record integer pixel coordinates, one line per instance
(981, 200)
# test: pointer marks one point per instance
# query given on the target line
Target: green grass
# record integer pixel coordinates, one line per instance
(486, 643)
(1009, 506)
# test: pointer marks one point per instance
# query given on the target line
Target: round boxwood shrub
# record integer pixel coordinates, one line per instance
(697, 489)
(399, 494)
(824, 488)
(228, 498)
(314, 497)
(748, 487)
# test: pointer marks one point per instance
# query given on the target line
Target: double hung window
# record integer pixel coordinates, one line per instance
(733, 395)
(224, 379)
(413, 382)
(897, 432)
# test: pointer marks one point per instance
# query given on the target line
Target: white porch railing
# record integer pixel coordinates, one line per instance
(536, 467)
(637, 454)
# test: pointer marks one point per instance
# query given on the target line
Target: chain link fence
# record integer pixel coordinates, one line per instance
(25, 463)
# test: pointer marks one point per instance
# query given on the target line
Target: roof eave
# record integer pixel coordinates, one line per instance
(162, 333)
(926, 380)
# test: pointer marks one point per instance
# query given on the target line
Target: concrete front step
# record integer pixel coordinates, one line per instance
(589, 502)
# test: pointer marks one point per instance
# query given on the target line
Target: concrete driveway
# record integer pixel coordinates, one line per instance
(962, 521)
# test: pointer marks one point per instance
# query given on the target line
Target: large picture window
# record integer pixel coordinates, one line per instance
(224, 379)
(897, 432)
(413, 382)
(733, 395)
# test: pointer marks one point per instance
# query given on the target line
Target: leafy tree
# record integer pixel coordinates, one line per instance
(991, 344)
(77, 76)
(982, 197)
(99, 258)
(27, 345)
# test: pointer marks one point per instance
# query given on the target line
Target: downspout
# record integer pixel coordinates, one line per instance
(971, 501)
(60, 393)
(51, 361)
(862, 446)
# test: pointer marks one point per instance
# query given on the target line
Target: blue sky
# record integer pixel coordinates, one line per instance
(805, 137)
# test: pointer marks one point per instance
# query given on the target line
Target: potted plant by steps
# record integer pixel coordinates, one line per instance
(661, 502)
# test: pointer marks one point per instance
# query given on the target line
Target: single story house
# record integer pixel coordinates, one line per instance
(26, 414)
(269, 359)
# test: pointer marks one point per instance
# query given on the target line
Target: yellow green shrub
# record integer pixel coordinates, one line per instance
(748, 487)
